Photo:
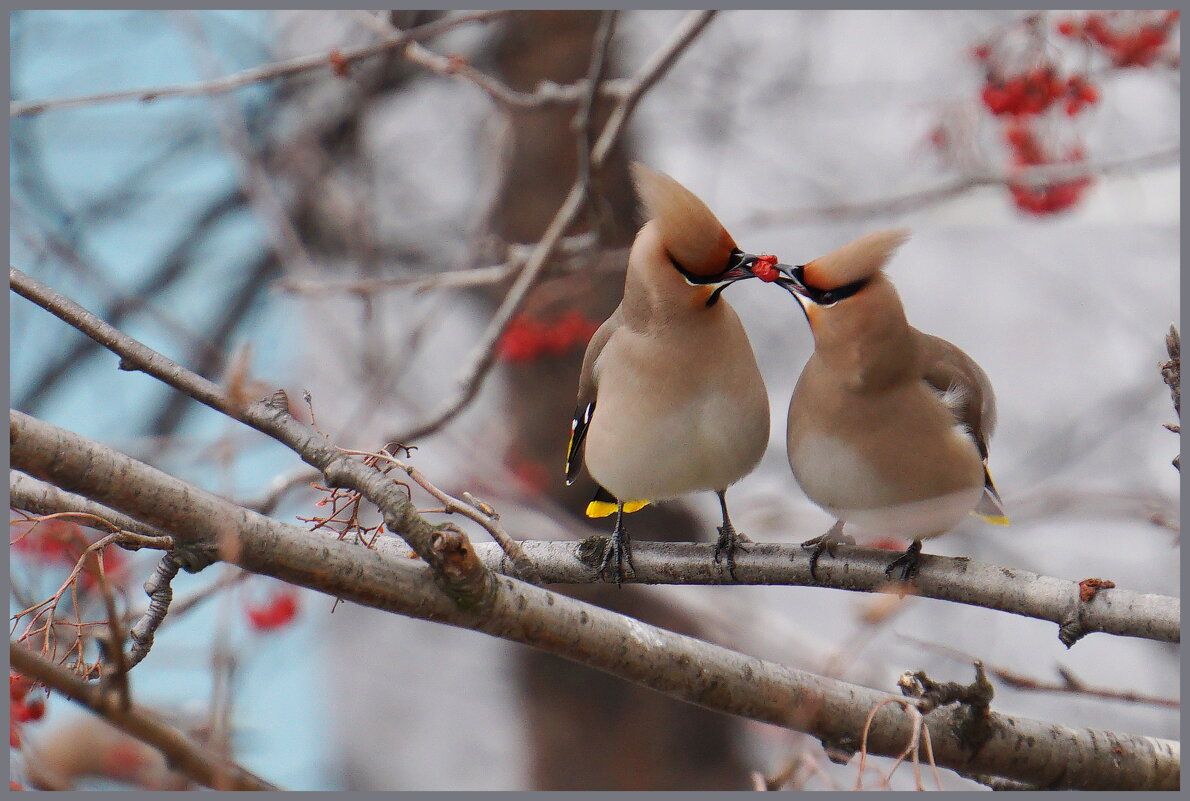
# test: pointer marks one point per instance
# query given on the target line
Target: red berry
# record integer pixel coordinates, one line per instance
(981, 52)
(279, 611)
(1068, 27)
(1073, 106)
(18, 686)
(765, 268)
(14, 734)
(34, 709)
(995, 98)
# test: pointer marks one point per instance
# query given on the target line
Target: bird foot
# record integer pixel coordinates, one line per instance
(826, 544)
(906, 564)
(729, 540)
(619, 552)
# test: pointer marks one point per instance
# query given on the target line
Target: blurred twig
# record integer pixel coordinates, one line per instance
(1171, 373)
(911, 201)
(484, 354)
(265, 72)
(1069, 682)
(185, 755)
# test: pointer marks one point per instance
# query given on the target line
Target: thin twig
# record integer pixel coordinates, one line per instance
(1069, 684)
(264, 72)
(183, 754)
(910, 201)
(472, 509)
(484, 353)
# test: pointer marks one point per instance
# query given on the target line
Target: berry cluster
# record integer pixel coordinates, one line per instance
(1028, 151)
(527, 339)
(24, 709)
(276, 613)
(1127, 40)
(1031, 90)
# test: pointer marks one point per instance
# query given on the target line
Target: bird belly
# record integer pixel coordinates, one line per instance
(926, 490)
(652, 443)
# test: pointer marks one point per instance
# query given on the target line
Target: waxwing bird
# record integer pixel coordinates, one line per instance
(888, 427)
(670, 399)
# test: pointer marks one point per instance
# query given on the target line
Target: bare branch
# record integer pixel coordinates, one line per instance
(484, 353)
(683, 667)
(899, 204)
(271, 417)
(265, 72)
(578, 252)
(185, 755)
(649, 74)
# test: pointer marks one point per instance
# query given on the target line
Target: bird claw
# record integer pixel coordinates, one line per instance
(826, 544)
(725, 548)
(906, 564)
(618, 550)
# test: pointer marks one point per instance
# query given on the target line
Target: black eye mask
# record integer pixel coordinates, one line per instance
(822, 297)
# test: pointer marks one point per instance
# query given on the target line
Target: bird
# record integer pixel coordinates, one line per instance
(888, 427)
(670, 397)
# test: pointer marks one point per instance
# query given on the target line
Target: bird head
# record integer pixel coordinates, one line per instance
(842, 273)
(696, 245)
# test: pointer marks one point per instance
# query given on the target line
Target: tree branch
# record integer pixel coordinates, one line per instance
(336, 59)
(683, 667)
(483, 355)
(899, 204)
(199, 763)
(1118, 611)
(272, 418)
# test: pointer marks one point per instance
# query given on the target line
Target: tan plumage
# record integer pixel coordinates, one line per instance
(670, 397)
(888, 426)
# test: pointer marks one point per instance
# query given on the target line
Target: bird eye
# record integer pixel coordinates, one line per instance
(826, 298)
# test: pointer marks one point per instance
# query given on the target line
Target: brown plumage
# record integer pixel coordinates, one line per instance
(670, 397)
(888, 426)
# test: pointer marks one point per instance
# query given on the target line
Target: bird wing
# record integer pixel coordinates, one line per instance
(966, 390)
(588, 385)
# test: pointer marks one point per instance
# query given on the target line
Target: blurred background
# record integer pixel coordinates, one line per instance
(294, 233)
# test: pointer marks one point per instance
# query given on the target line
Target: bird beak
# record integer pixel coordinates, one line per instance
(790, 279)
(742, 267)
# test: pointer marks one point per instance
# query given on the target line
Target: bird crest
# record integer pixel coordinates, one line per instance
(855, 261)
(692, 235)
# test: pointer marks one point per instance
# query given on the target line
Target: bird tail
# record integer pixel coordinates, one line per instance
(604, 504)
(990, 508)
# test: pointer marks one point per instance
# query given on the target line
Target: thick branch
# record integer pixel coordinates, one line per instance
(1117, 611)
(1039, 753)
(183, 754)
(274, 420)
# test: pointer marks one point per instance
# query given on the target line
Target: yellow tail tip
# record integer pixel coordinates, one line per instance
(995, 520)
(605, 508)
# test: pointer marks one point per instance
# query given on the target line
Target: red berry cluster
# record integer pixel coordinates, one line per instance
(1035, 91)
(276, 613)
(24, 709)
(1128, 40)
(527, 339)
(1028, 152)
